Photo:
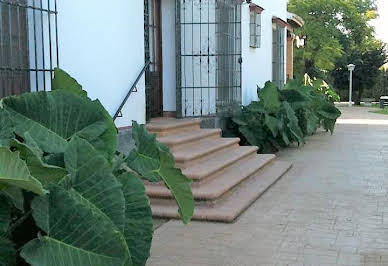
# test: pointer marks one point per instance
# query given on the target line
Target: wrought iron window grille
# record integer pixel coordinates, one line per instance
(28, 45)
(208, 61)
(255, 30)
(278, 55)
(255, 25)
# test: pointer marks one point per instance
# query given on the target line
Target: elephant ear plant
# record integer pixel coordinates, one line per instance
(67, 197)
(284, 116)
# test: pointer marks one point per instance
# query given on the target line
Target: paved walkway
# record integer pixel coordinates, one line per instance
(330, 209)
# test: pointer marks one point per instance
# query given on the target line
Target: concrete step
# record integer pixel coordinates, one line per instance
(167, 126)
(233, 203)
(220, 184)
(190, 154)
(213, 166)
(185, 138)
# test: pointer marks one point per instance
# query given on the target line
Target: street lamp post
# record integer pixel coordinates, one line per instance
(351, 68)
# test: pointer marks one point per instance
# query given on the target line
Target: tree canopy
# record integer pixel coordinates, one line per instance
(338, 32)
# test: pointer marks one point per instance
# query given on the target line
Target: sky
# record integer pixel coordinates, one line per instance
(381, 23)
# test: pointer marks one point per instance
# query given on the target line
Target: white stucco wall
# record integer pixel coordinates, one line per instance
(169, 55)
(257, 62)
(102, 46)
(104, 50)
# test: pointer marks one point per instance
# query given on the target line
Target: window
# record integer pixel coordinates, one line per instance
(255, 26)
(28, 45)
(278, 52)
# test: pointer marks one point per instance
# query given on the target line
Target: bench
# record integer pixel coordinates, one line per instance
(383, 101)
(368, 101)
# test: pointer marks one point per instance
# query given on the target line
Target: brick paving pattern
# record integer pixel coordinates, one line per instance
(330, 209)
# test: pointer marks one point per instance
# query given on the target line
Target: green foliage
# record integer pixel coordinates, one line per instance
(282, 117)
(153, 161)
(368, 61)
(270, 97)
(332, 28)
(14, 172)
(67, 197)
(7, 252)
(63, 81)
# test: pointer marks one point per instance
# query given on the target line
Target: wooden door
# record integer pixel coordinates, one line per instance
(153, 49)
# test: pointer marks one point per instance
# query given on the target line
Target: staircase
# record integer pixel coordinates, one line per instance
(227, 178)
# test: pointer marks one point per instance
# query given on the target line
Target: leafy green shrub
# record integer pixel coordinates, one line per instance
(322, 87)
(285, 116)
(67, 197)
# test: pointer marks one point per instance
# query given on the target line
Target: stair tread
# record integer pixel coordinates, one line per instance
(218, 186)
(202, 148)
(235, 202)
(198, 172)
(163, 124)
(183, 137)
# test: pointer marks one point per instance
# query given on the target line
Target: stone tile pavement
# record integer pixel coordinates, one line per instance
(330, 209)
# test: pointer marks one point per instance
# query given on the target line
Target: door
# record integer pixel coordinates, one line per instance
(278, 51)
(153, 54)
(208, 43)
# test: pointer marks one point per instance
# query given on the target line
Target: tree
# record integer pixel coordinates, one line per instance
(329, 25)
(368, 61)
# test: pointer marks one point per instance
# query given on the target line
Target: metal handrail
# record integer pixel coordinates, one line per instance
(131, 90)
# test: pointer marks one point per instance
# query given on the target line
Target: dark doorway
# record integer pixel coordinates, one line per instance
(153, 54)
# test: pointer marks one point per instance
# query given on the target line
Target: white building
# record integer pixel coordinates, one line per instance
(204, 54)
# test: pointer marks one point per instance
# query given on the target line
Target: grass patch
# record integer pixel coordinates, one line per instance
(382, 111)
(374, 105)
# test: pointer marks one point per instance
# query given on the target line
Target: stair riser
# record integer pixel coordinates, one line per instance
(210, 209)
(167, 132)
(182, 164)
(175, 147)
(209, 199)
(197, 182)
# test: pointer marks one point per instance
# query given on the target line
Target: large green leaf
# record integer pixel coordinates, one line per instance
(52, 118)
(6, 128)
(138, 218)
(15, 195)
(179, 185)
(5, 214)
(273, 124)
(249, 135)
(292, 123)
(239, 121)
(91, 176)
(75, 235)
(329, 115)
(270, 97)
(152, 161)
(14, 172)
(46, 174)
(63, 81)
(7, 252)
(329, 125)
(295, 98)
(144, 159)
(312, 122)
(329, 111)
